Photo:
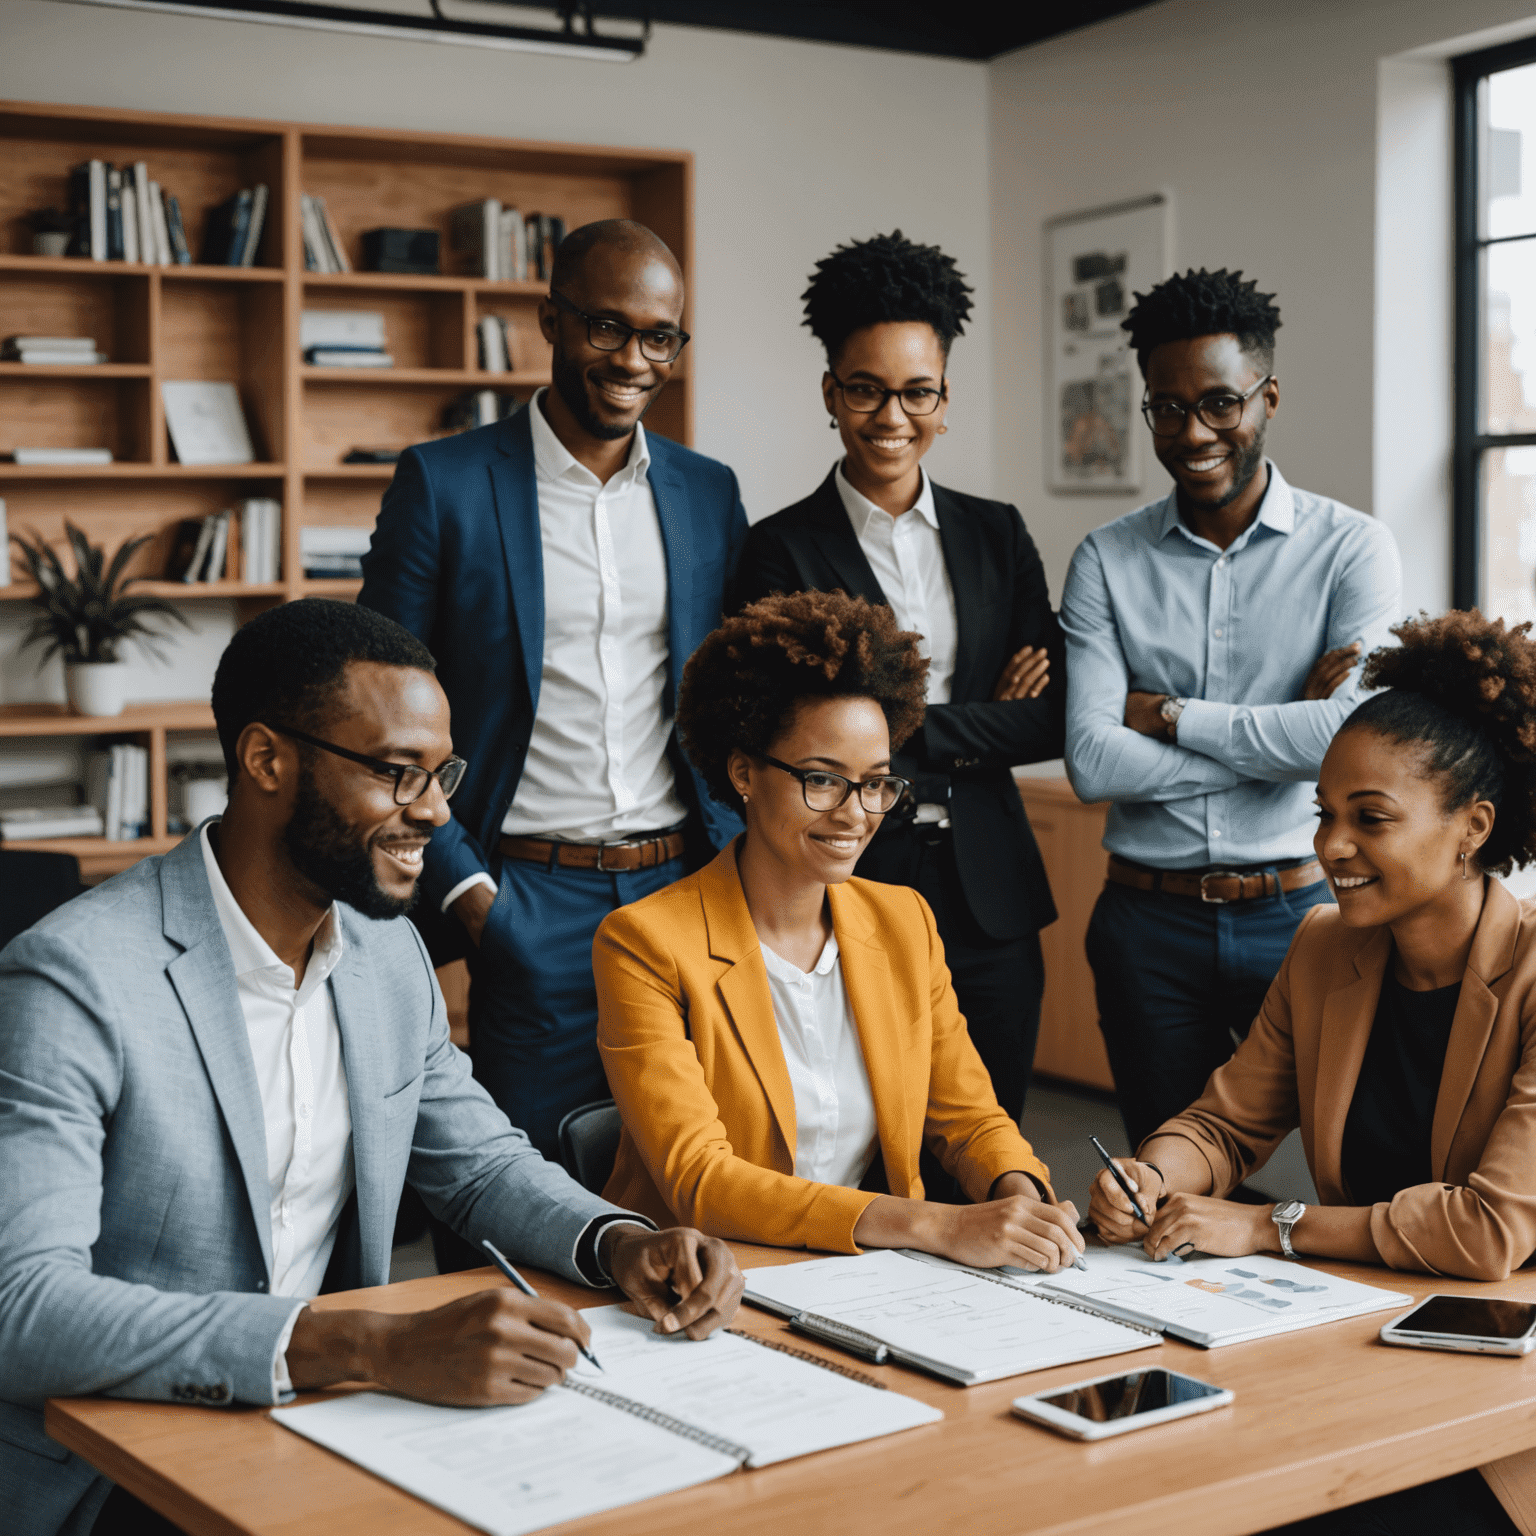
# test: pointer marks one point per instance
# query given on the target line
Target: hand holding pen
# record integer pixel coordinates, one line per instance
(504, 1264)
(1114, 1206)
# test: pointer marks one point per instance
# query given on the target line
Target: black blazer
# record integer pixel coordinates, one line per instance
(1001, 604)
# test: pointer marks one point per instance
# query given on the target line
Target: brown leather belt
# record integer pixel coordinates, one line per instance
(610, 858)
(1215, 887)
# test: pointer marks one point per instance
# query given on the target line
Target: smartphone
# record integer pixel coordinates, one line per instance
(1114, 1405)
(1478, 1325)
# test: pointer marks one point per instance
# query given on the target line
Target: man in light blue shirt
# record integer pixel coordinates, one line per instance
(1213, 639)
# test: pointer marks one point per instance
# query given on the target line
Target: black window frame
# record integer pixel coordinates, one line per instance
(1471, 445)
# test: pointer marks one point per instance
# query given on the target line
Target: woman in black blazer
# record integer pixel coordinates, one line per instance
(964, 573)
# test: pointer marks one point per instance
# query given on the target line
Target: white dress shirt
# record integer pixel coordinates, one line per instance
(907, 556)
(296, 1047)
(835, 1133)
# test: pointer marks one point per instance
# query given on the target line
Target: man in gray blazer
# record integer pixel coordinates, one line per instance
(218, 1070)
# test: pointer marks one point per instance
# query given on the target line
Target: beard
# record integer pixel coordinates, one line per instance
(331, 853)
(567, 377)
(1244, 470)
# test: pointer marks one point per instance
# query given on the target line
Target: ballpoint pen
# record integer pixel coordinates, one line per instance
(505, 1266)
(1119, 1178)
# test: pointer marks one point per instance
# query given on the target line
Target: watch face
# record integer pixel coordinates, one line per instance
(1291, 1210)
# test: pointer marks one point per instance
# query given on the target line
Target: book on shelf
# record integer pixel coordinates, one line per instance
(158, 224)
(117, 786)
(495, 345)
(87, 194)
(75, 456)
(114, 214)
(120, 214)
(478, 408)
(50, 821)
(148, 246)
(68, 351)
(323, 250)
(177, 229)
(5, 544)
(544, 234)
(130, 201)
(513, 262)
(233, 233)
(348, 357)
(261, 536)
(206, 423)
(341, 328)
(258, 221)
(334, 552)
(490, 239)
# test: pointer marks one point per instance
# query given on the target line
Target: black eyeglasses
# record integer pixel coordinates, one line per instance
(613, 335)
(1220, 412)
(411, 782)
(826, 791)
(867, 399)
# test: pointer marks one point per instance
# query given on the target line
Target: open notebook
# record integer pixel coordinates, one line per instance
(663, 1414)
(964, 1325)
(1210, 1301)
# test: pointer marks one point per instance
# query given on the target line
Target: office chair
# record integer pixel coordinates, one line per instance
(589, 1143)
(32, 884)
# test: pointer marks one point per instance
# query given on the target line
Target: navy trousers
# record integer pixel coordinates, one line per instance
(532, 1002)
(1176, 979)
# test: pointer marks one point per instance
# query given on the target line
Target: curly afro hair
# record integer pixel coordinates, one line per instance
(1204, 304)
(1465, 687)
(741, 687)
(882, 279)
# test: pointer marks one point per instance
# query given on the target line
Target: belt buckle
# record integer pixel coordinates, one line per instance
(602, 848)
(1220, 874)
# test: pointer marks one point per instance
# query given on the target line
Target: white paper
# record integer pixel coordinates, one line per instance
(1216, 1301)
(510, 1470)
(945, 1316)
(206, 423)
(761, 1398)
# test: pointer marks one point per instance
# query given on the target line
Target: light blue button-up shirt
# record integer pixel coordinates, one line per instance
(1150, 606)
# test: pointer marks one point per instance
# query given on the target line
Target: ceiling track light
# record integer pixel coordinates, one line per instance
(436, 28)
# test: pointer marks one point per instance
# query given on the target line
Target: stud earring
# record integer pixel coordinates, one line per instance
(941, 431)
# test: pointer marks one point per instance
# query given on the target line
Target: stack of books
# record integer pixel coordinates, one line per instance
(334, 552)
(323, 250)
(495, 345)
(344, 338)
(478, 408)
(117, 786)
(200, 550)
(40, 795)
(261, 539)
(203, 546)
(54, 351)
(120, 214)
(75, 456)
(502, 244)
(233, 233)
(28, 822)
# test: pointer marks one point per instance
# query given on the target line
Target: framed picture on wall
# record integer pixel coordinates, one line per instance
(1094, 262)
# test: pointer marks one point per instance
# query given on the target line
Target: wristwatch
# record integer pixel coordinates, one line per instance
(1170, 709)
(1285, 1216)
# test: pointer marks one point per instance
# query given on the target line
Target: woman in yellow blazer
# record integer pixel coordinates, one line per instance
(1400, 1034)
(781, 1039)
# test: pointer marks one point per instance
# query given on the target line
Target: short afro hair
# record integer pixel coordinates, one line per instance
(1465, 688)
(742, 686)
(1204, 304)
(887, 278)
(287, 666)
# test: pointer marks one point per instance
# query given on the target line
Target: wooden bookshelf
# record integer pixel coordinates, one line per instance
(241, 324)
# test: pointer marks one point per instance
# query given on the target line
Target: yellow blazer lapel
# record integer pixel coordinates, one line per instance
(1348, 1013)
(867, 976)
(743, 986)
(1492, 954)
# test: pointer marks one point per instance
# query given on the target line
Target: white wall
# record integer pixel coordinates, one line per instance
(1262, 124)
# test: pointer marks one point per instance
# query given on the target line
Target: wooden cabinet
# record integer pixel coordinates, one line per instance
(1070, 835)
(241, 325)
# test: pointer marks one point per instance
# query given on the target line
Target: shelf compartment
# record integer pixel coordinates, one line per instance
(111, 513)
(222, 334)
(339, 417)
(78, 409)
(424, 330)
(114, 314)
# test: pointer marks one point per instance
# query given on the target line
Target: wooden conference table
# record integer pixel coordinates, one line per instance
(1324, 1417)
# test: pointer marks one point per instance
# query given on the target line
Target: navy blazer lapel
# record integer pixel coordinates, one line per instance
(963, 554)
(670, 492)
(839, 544)
(515, 493)
(358, 1018)
(203, 975)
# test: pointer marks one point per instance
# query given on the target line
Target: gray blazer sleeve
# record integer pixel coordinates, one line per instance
(63, 1329)
(481, 1175)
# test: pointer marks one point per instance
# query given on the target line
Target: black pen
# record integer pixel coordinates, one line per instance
(505, 1266)
(1119, 1178)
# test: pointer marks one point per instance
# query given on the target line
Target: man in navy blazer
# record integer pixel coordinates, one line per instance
(562, 565)
(219, 1070)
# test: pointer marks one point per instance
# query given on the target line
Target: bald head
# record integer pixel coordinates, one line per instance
(618, 237)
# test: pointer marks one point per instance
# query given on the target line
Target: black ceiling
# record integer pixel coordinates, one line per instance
(956, 31)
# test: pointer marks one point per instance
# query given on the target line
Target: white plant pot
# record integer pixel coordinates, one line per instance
(97, 687)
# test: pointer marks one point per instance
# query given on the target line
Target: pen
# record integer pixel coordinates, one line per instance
(1119, 1178)
(505, 1266)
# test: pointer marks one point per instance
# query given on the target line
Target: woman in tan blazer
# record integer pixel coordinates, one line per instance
(781, 1039)
(1400, 1034)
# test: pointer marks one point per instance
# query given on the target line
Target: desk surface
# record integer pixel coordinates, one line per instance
(1324, 1417)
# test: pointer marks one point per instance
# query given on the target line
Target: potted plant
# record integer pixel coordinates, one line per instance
(87, 617)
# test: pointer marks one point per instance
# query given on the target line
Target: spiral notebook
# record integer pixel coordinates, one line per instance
(663, 1414)
(963, 1325)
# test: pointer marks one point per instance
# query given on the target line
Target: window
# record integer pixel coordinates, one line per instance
(1495, 453)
